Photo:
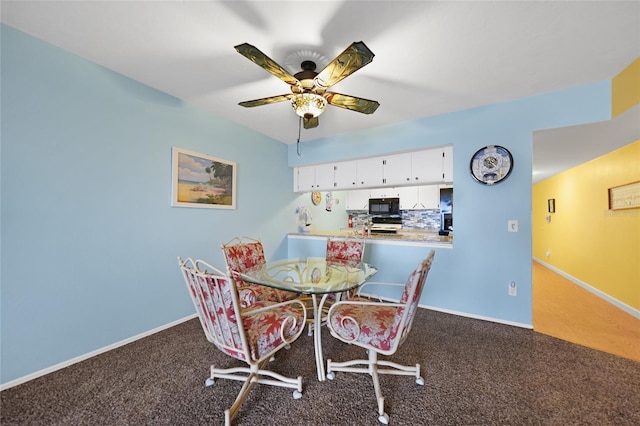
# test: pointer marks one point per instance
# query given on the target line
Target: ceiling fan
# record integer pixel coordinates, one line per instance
(309, 95)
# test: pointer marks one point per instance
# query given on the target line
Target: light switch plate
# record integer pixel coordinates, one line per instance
(512, 225)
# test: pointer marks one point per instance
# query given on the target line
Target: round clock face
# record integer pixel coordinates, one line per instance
(316, 197)
(491, 164)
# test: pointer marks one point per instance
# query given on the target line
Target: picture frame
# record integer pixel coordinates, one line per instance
(624, 196)
(551, 205)
(202, 181)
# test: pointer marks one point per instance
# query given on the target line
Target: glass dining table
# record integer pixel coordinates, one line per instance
(317, 279)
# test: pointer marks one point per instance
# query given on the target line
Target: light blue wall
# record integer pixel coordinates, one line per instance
(89, 240)
(473, 277)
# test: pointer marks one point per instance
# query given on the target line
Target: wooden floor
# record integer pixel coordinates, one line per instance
(567, 311)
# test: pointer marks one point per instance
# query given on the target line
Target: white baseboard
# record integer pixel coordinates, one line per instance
(460, 314)
(479, 317)
(75, 360)
(604, 296)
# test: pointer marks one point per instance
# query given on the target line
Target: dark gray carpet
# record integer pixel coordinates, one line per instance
(476, 372)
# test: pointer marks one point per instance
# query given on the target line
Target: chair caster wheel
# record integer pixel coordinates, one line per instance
(331, 376)
(297, 394)
(209, 382)
(420, 381)
(384, 419)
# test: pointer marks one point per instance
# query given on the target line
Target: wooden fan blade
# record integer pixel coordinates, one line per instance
(310, 123)
(352, 103)
(265, 101)
(257, 57)
(351, 60)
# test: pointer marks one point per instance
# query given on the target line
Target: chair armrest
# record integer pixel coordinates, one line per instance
(380, 284)
(366, 303)
(291, 324)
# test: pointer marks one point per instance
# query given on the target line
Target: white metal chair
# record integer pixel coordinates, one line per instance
(380, 328)
(252, 334)
(241, 254)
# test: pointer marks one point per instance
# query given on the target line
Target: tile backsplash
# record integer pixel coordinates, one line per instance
(426, 220)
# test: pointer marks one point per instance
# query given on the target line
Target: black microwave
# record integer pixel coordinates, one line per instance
(384, 206)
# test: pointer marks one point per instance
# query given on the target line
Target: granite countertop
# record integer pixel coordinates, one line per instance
(408, 235)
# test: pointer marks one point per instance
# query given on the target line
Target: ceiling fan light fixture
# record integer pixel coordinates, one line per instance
(308, 104)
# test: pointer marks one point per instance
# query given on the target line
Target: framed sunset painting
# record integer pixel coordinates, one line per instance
(202, 181)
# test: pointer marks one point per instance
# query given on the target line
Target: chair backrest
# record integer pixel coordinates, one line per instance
(215, 298)
(345, 250)
(241, 254)
(410, 298)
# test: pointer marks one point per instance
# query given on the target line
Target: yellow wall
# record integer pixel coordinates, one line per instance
(625, 89)
(586, 240)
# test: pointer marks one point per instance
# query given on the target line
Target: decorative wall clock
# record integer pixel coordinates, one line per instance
(491, 164)
(316, 197)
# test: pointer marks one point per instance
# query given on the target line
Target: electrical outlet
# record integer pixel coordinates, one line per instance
(513, 289)
(512, 225)
(548, 253)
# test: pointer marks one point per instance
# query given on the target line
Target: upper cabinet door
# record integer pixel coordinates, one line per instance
(370, 172)
(345, 175)
(397, 169)
(306, 179)
(325, 178)
(426, 166)
(447, 167)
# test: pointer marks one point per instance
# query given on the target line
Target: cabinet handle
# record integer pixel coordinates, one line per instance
(410, 179)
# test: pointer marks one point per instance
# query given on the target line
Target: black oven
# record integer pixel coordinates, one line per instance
(384, 206)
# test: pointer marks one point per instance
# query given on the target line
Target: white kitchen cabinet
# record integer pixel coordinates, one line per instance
(320, 177)
(429, 166)
(397, 169)
(345, 175)
(305, 179)
(384, 192)
(447, 167)
(358, 199)
(422, 197)
(408, 197)
(325, 177)
(429, 197)
(370, 172)
(426, 166)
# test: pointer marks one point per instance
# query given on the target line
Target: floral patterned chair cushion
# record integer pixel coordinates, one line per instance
(345, 251)
(246, 254)
(373, 324)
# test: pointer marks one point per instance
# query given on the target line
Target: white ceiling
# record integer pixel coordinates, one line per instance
(432, 57)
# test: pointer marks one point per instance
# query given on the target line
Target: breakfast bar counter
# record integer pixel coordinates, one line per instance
(402, 237)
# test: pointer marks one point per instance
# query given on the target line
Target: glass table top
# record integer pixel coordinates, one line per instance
(310, 275)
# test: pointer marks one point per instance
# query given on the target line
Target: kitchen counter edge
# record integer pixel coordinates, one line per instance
(403, 240)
